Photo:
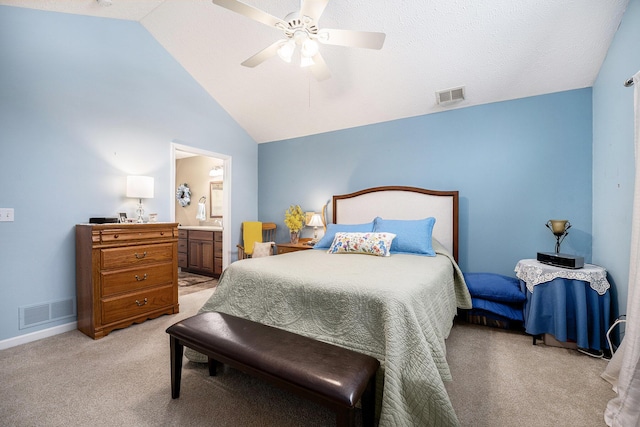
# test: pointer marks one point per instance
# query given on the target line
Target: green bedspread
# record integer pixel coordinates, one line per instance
(398, 309)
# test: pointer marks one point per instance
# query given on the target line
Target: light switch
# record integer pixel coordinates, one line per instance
(6, 214)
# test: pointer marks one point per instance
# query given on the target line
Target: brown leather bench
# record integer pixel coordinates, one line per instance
(327, 374)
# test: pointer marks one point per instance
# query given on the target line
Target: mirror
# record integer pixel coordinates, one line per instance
(215, 200)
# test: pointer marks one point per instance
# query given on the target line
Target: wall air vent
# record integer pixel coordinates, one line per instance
(449, 96)
(37, 314)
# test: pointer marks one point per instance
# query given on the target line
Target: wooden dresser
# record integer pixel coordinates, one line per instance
(125, 274)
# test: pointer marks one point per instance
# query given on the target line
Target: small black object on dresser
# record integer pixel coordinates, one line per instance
(561, 260)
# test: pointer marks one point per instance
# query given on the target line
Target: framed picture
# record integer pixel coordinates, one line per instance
(123, 217)
(153, 217)
(215, 200)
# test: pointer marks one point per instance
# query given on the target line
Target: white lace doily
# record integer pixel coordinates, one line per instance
(533, 273)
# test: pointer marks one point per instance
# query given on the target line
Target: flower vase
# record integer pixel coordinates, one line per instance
(295, 235)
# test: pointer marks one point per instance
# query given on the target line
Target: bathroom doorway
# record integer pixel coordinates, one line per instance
(207, 187)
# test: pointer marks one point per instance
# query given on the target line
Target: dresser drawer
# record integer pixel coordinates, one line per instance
(182, 246)
(124, 235)
(136, 304)
(285, 249)
(136, 255)
(119, 281)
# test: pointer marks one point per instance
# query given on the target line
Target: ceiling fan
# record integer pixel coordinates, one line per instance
(300, 31)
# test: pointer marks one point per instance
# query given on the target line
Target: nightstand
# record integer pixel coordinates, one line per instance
(284, 248)
(572, 305)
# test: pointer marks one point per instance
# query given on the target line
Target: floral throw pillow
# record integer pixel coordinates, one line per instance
(377, 244)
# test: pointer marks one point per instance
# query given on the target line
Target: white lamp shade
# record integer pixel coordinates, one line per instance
(140, 187)
(309, 48)
(285, 51)
(316, 221)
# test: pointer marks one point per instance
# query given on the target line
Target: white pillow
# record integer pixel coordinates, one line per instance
(262, 249)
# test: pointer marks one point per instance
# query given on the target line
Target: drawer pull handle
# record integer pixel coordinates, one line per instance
(140, 304)
(138, 256)
(143, 277)
(162, 233)
(115, 236)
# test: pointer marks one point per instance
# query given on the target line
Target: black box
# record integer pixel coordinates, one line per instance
(103, 220)
(561, 260)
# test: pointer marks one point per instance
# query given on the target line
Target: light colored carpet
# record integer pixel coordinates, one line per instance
(500, 379)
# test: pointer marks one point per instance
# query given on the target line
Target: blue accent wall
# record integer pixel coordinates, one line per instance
(613, 154)
(516, 164)
(84, 102)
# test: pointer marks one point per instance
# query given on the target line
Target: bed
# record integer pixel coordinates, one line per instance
(398, 308)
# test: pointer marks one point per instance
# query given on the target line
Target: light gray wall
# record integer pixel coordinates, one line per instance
(84, 102)
(613, 154)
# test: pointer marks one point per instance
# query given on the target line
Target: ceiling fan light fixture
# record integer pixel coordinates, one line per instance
(300, 36)
(285, 51)
(300, 29)
(306, 61)
(309, 48)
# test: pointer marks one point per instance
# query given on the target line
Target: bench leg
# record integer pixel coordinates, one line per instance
(176, 366)
(368, 403)
(346, 417)
(213, 366)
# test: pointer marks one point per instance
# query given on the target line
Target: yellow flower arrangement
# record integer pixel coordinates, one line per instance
(294, 218)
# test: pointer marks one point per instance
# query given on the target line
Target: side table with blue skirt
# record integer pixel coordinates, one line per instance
(570, 304)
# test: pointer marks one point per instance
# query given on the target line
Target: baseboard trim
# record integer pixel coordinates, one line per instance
(38, 335)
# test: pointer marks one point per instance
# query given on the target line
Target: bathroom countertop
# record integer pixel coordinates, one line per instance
(201, 227)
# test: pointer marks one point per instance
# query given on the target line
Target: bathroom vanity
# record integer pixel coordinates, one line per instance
(200, 249)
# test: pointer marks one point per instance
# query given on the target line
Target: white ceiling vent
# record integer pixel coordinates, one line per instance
(449, 96)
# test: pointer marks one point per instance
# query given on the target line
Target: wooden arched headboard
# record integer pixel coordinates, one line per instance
(398, 202)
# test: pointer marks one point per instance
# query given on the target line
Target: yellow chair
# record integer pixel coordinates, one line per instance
(253, 232)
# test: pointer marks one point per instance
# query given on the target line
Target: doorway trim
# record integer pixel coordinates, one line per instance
(177, 145)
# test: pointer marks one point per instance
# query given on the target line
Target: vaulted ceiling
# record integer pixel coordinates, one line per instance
(497, 49)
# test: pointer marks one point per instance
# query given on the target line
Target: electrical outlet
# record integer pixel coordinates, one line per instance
(6, 214)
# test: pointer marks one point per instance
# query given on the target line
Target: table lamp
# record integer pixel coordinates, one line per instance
(140, 187)
(559, 229)
(315, 222)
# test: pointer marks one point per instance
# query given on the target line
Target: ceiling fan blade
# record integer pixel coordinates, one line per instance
(263, 55)
(250, 12)
(313, 8)
(364, 39)
(319, 68)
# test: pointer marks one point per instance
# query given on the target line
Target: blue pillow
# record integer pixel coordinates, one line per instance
(505, 310)
(494, 287)
(412, 236)
(326, 240)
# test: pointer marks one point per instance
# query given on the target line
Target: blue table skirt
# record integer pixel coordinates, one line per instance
(570, 310)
